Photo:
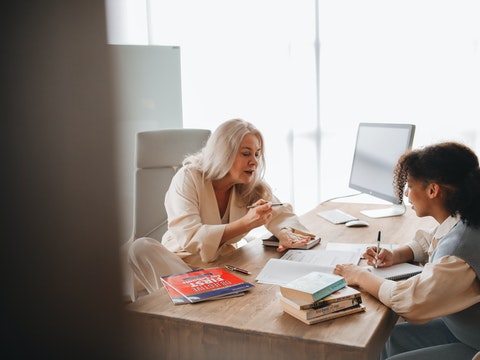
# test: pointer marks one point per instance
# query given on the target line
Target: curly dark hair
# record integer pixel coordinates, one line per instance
(453, 166)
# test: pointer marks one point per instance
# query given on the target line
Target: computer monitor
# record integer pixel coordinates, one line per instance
(377, 150)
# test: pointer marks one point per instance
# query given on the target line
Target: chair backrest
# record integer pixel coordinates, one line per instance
(159, 154)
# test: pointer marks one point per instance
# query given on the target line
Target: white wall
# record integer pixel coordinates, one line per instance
(148, 96)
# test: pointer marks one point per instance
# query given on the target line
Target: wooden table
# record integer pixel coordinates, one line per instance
(254, 326)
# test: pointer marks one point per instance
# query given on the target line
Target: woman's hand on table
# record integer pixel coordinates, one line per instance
(289, 239)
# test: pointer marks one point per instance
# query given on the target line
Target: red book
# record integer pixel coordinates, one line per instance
(204, 284)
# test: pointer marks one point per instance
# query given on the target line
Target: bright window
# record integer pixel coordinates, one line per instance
(380, 61)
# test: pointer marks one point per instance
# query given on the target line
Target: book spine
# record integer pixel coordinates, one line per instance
(313, 313)
(333, 315)
(329, 290)
(323, 302)
(336, 314)
(201, 296)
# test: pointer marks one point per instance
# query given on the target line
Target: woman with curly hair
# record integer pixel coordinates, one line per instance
(441, 305)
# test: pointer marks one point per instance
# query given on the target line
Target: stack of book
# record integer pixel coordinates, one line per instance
(318, 297)
(203, 284)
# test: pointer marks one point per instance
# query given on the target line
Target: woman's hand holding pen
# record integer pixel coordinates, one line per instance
(256, 216)
(259, 213)
(383, 259)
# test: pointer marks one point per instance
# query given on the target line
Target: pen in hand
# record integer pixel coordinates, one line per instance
(378, 248)
(271, 204)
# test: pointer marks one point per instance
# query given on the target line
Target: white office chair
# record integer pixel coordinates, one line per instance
(159, 154)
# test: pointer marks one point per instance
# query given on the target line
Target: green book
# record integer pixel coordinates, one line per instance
(346, 293)
(312, 287)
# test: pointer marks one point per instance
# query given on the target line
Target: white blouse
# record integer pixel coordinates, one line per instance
(422, 298)
(195, 228)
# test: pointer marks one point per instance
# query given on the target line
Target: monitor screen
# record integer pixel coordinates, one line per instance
(377, 150)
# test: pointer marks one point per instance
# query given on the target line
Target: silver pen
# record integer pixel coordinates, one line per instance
(271, 204)
(234, 268)
(378, 247)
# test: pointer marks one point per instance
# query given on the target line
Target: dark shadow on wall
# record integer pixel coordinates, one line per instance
(60, 288)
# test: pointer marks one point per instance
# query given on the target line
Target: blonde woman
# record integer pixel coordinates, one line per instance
(214, 200)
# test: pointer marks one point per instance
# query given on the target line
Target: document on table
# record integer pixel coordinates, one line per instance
(359, 247)
(296, 263)
(323, 257)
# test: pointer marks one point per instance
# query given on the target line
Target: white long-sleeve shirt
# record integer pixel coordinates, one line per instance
(445, 286)
(195, 226)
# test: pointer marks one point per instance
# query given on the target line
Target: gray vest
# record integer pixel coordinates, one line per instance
(463, 242)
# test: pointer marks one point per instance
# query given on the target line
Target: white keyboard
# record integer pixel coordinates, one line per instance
(336, 216)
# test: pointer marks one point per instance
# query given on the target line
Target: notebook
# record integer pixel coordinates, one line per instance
(273, 241)
(397, 271)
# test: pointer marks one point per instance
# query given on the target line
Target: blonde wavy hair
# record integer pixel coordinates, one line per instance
(216, 158)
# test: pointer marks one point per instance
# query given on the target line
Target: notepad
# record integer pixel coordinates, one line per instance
(397, 271)
(273, 241)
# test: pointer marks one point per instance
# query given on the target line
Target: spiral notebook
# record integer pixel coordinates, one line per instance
(397, 271)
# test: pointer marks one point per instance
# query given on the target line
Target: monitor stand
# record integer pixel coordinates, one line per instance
(394, 210)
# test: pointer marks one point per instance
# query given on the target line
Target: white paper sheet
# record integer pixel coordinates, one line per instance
(296, 263)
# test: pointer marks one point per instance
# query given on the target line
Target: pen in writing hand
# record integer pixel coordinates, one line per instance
(271, 204)
(234, 268)
(378, 247)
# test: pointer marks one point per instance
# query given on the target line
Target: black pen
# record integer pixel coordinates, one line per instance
(378, 247)
(234, 268)
(271, 204)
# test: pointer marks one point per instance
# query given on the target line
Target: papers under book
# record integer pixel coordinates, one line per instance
(313, 286)
(204, 284)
